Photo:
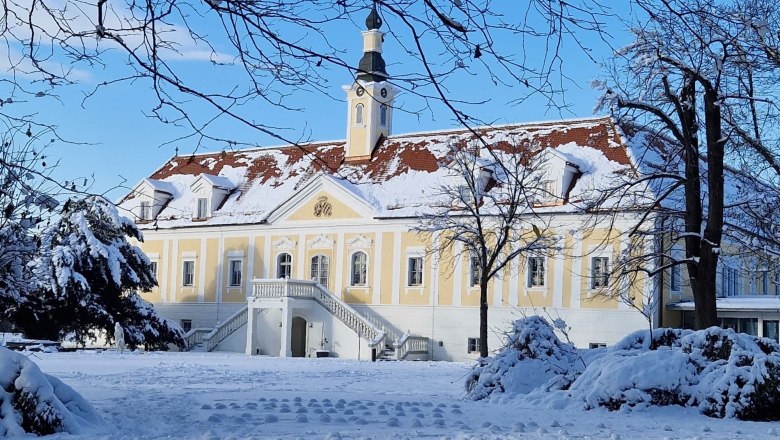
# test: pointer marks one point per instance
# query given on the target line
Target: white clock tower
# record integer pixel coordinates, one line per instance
(370, 98)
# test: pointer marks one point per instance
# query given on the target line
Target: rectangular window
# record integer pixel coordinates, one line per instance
(235, 273)
(188, 273)
(474, 271)
(203, 207)
(777, 281)
(593, 345)
(599, 272)
(146, 210)
(772, 330)
(186, 325)
(473, 345)
(764, 282)
(153, 269)
(675, 272)
(536, 272)
(730, 281)
(415, 277)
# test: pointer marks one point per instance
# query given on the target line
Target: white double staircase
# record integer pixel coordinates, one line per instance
(366, 327)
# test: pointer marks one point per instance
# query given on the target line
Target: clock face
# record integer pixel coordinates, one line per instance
(383, 92)
(360, 91)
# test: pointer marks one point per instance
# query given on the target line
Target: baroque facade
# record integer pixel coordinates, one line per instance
(306, 250)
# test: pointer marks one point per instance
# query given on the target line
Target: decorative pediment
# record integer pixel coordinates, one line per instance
(359, 242)
(320, 242)
(284, 244)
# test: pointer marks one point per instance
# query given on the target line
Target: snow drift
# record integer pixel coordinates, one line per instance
(718, 371)
(34, 402)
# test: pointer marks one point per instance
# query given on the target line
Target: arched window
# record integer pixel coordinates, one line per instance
(383, 115)
(359, 269)
(319, 269)
(284, 265)
(359, 114)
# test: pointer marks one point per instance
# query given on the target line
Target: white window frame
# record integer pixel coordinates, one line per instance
(202, 208)
(318, 268)
(232, 273)
(411, 279)
(765, 281)
(145, 210)
(280, 272)
(777, 280)
(534, 270)
(190, 273)
(730, 280)
(599, 280)
(360, 114)
(153, 268)
(352, 270)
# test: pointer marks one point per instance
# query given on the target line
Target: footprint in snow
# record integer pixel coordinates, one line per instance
(439, 423)
(284, 410)
(214, 418)
(318, 411)
(348, 412)
(438, 415)
(205, 406)
(302, 419)
(383, 412)
(427, 404)
(271, 418)
(301, 411)
(273, 399)
(436, 410)
(419, 415)
(361, 421)
(400, 414)
(298, 399)
(220, 406)
(262, 399)
(324, 418)
(414, 409)
(393, 422)
(456, 411)
(486, 425)
(340, 420)
(416, 423)
(250, 405)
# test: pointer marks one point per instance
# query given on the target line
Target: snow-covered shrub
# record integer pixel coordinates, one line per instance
(739, 374)
(532, 357)
(34, 402)
(719, 371)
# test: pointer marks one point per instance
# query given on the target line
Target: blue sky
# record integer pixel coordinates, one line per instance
(119, 144)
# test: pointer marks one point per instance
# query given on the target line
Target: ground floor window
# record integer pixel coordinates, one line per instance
(593, 345)
(741, 325)
(772, 330)
(473, 345)
(186, 325)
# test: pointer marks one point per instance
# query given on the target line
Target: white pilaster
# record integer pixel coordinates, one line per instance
(285, 350)
(339, 285)
(498, 290)
(377, 283)
(396, 293)
(202, 271)
(514, 281)
(558, 261)
(576, 269)
(457, 282)
(165, 275)
(175, 272)
(266, 257)
(220, 268)
(250, 330)
(250, 266)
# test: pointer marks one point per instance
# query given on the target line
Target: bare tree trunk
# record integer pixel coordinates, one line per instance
(706, 313)
(483, 318)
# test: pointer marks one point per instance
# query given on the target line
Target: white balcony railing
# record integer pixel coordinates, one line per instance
(279, 288)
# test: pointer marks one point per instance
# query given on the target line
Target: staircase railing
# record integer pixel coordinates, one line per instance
(195, 336)
(226, 328)
(274, 288)
(411, 345)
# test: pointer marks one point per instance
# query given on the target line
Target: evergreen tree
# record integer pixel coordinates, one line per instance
(87, 275)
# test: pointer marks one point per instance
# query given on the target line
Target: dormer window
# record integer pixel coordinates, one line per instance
(359, 114)
(145, 210)
(203, 206)
(383, 115)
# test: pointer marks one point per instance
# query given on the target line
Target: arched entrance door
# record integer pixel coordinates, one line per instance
(298, 337)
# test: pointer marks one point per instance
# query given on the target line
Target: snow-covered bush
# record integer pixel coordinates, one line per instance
(34, 402)
(719, 371)
(532, 357)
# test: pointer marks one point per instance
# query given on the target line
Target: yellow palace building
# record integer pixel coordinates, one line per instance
(309, 250)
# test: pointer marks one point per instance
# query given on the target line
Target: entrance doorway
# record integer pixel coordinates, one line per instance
(298, 337)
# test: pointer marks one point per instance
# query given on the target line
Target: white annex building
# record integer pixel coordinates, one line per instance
(308, 250)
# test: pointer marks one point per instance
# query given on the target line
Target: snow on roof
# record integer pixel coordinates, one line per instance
(161, 186)
(220, 182)
(758, 302)
(398, 180)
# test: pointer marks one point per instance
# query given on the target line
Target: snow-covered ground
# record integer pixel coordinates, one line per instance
(233, 396)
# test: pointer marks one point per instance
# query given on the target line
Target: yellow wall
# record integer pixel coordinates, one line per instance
(187, 293)
(155, 247)
(359, 294)
(234, 246)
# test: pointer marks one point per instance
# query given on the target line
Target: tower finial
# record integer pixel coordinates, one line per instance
(373, 21)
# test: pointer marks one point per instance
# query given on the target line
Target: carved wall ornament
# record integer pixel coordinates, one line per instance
(323, 208)
(320, 242)
(359, 242)
(284, 244)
